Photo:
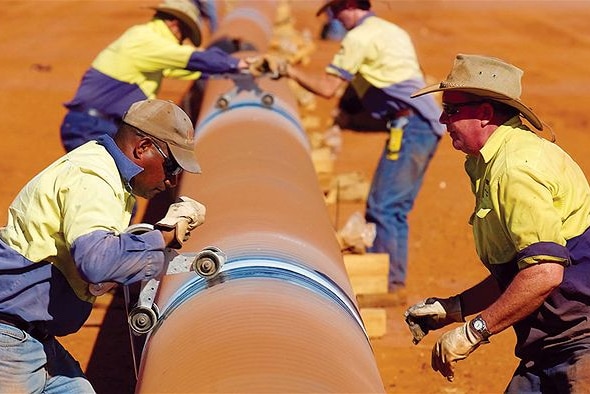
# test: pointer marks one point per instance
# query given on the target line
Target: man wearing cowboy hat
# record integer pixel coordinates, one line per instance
(379, 61)
(132, 68)
(65, 241)
(531, 225)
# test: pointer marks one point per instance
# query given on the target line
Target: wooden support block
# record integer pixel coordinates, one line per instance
(367, 272)
(375, 320)
(323, 160)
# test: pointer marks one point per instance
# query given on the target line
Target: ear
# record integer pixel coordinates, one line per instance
(141, 148)
(175, 27)
(487, 113)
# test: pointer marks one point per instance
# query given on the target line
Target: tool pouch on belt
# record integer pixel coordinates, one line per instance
(396, 134)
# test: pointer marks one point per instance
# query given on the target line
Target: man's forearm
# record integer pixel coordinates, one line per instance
(525, 294)
(324, 85)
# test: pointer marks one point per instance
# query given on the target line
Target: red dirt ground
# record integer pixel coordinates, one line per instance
(46, 45)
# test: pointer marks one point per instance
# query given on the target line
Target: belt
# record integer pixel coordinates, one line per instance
(37, 330)
(92, 112)
(399, 119)
(402, 113)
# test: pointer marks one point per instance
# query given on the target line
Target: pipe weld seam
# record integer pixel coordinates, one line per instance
(245, 104)
(265, 268)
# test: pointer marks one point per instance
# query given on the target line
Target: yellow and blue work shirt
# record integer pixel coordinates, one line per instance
(532, 205)
(64, 231)
(531, 197)
(378, 58)
(131, 68)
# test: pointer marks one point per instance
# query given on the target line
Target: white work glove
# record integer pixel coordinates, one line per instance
(432, 314)
(453, 346)
(183, 216)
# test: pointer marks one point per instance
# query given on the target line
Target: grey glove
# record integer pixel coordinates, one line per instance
(183, 216)
(431, 314)
(453, 346)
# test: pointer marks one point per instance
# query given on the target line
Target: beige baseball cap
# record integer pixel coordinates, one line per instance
(166, 121)
(186, 12)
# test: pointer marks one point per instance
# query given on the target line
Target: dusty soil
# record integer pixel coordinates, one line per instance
(45, 46)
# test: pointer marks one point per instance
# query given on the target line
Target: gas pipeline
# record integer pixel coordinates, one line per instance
(258, 300)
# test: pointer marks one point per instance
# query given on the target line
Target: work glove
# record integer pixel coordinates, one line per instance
(273, 66)
(453, 346)
(256, 65)
(432, 314)
(182, 216)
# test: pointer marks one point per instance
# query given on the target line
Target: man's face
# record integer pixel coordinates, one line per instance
(461, 116)
(344, 14)
(156, 175)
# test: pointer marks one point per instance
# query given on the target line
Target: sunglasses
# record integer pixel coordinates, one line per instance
(171, 167)
(451, 109)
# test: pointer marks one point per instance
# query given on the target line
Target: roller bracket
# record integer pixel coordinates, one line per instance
(144, 316)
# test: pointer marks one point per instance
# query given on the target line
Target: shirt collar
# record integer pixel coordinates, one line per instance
(126, 167)
(497, 138)
(364, 18)
(160, 27)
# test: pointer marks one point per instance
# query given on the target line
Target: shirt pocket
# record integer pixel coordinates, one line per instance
(480, 213)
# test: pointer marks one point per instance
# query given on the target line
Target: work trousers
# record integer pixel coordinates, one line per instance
(393, 191)
(567, 374)
(30, 366)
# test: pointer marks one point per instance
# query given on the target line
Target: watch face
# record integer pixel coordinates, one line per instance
(478, 325)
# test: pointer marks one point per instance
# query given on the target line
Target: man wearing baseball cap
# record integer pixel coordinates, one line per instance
(65, 239)
(133, 66)
(530, 222)
(377, 58)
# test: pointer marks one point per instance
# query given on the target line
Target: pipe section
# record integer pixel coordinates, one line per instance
(280, 315)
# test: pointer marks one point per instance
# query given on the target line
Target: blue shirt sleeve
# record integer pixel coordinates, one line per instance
(212, 61)
(102, 256)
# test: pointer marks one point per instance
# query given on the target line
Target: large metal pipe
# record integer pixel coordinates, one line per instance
(281, 315)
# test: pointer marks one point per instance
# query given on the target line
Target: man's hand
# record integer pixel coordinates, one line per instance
(432, 314)
(182, 217)
(453, 346)
(256, 65)
(273, 66)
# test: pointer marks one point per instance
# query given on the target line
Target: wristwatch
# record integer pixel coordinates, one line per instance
(480, 327)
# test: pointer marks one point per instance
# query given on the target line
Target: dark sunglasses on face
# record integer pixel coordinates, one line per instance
(171, 167)
(451, 109)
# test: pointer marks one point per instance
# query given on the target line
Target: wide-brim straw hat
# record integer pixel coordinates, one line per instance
(169, 123)
(487, 77)
(187, 13)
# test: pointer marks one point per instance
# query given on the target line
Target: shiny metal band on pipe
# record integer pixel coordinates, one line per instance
(265, 268)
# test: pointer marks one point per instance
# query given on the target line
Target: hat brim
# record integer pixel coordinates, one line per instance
(195, 29)
(325, 7)
(185, 158)
(519, 105)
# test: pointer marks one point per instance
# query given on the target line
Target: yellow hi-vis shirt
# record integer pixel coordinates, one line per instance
(79, 193)
(530, 198)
